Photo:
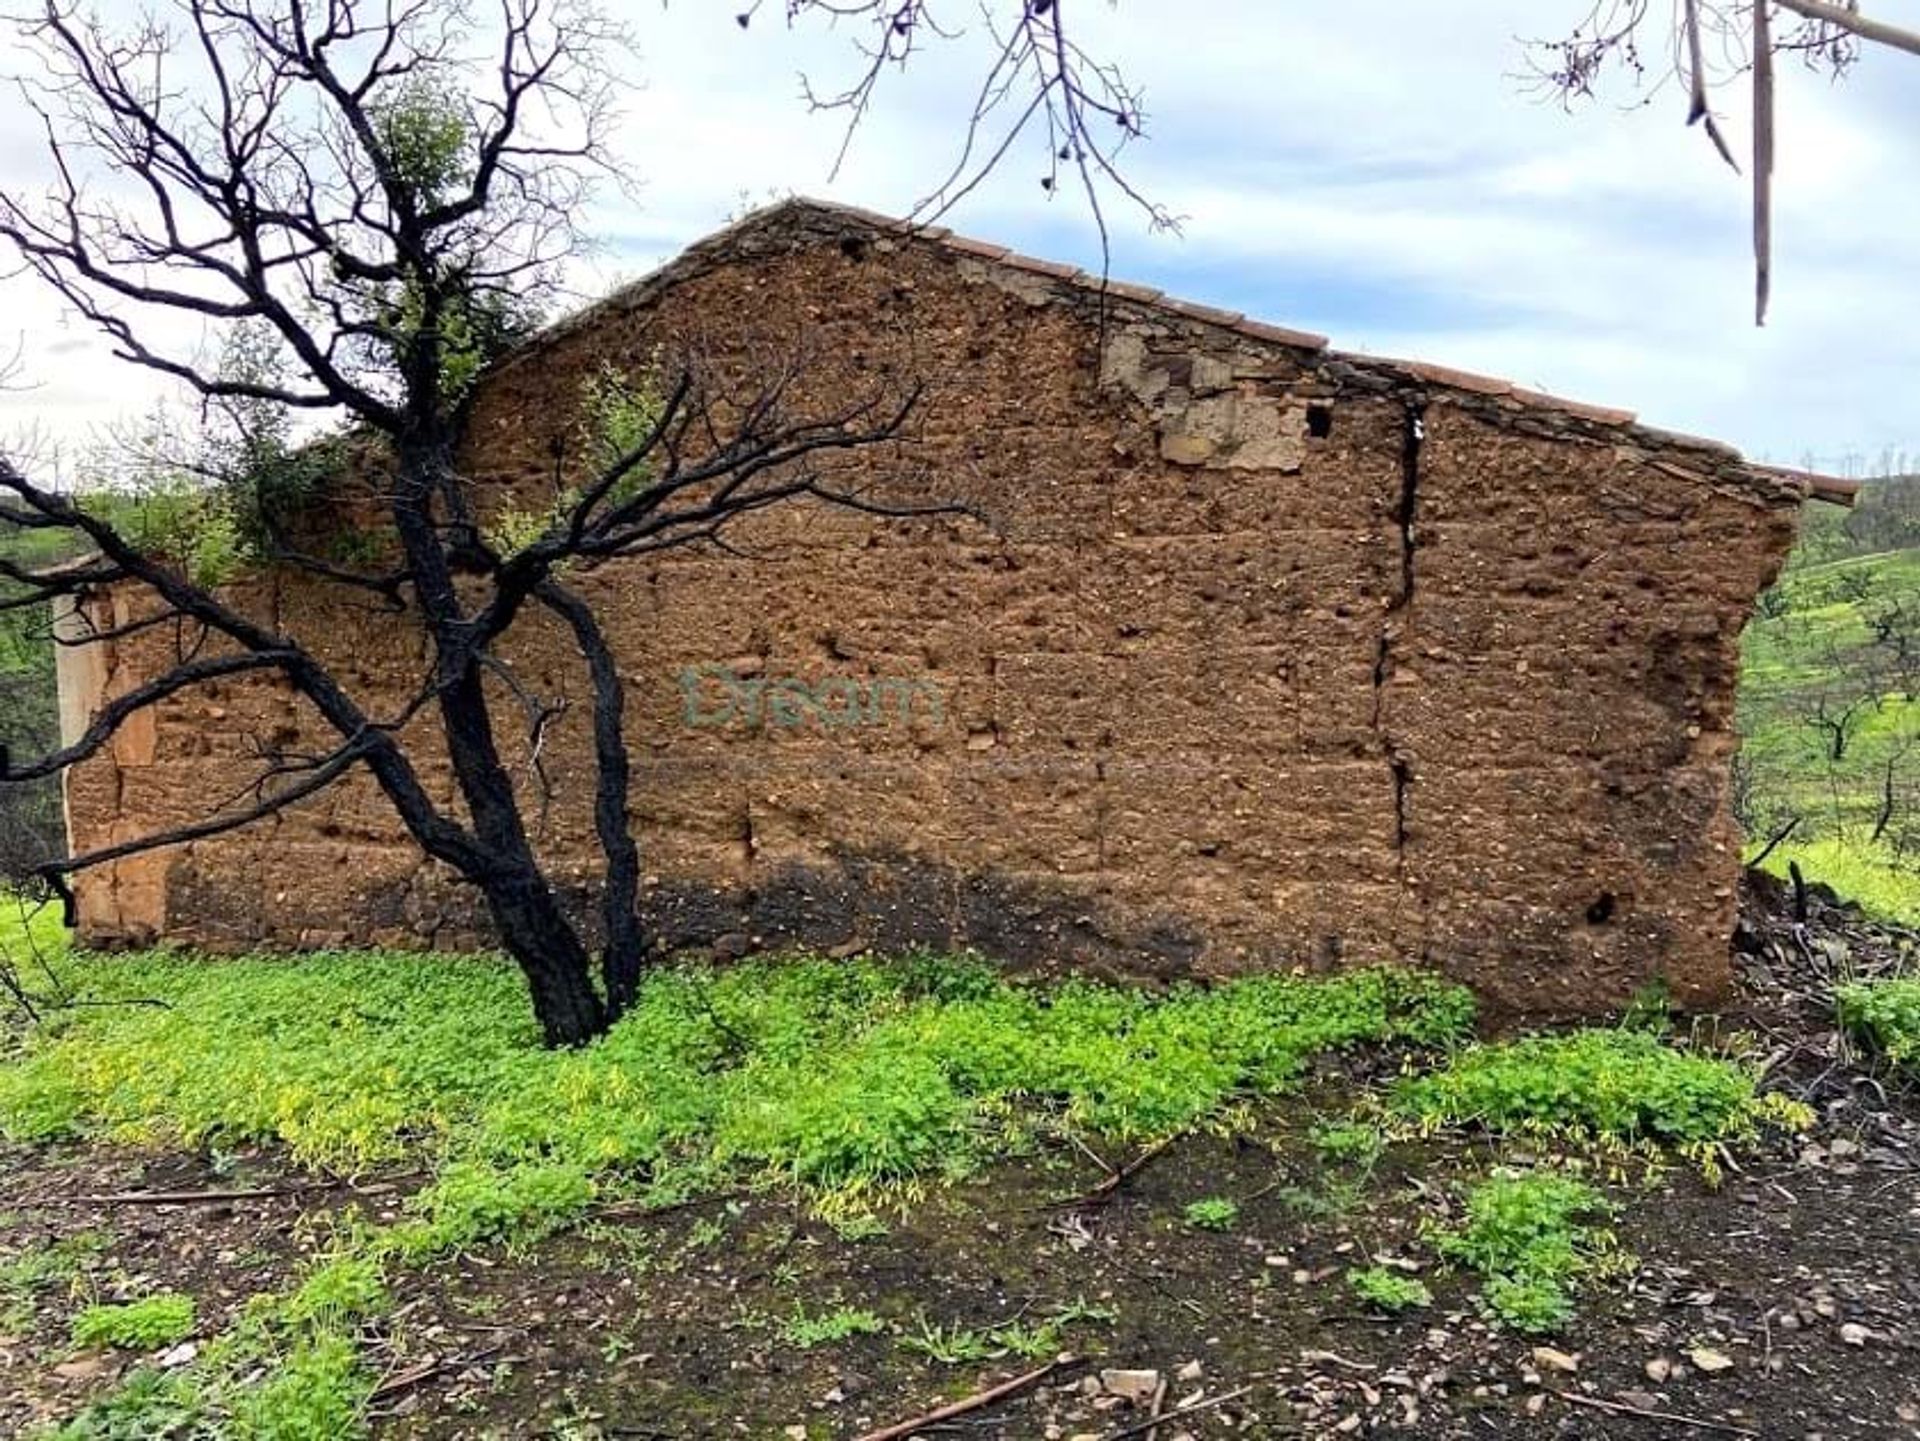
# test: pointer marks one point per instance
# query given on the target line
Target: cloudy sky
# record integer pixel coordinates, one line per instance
(1375, 171)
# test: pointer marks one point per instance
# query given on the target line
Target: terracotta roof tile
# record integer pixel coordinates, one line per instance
(1696, 442)
(1604, 414)
(1121, 289)
(967, 245)
(1212, 314)
(1458, 379)
(1304, 339)
(1040, 267)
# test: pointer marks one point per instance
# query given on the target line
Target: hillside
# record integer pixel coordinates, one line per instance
(1830, 704)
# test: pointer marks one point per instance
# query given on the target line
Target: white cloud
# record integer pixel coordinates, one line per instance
(1381, 173)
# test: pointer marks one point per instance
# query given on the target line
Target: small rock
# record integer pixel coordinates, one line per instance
(1644, 1400)
(1548, 1359)
(1134, 1386)
(1854, 1334)
(1709, 1360)
(1192, 1371)
(795, 1433)
(1659, 1369)
(80, 1368)
(175, 1356)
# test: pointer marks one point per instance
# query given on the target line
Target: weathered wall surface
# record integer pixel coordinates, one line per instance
(1251, 655)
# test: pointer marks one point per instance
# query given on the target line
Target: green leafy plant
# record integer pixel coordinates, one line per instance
(1387, 1290)
(1353, 1143)
(1884, 1016)
(837, 1076)
(1533, 1237)
(470, 1204)
(316, 1392)
(348, 1288)
(142, 1325)
(823, 1328)
(1212, 1213)
(1611, 1086)
(954, 1345)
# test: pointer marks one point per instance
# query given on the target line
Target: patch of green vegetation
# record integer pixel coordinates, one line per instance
(27, 1275)
(826, 1074)
(1351, 1143)
(954, 1345)
(1531, 1236)
(1829, 708)
(316, 1391)
(1884, 1016)
(1617, 1087)
(147, 1404)
(336, 1293)
(823, 1328)
(958, 1345)
(848, 1080)
(1388, 1291)
(474, 1203)
(142, 1325)
(1212, 1213)
(1881, 882)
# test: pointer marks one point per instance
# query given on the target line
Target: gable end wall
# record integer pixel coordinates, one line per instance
(1194, 689)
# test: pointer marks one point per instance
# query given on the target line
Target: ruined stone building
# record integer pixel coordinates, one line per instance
(1247, 653)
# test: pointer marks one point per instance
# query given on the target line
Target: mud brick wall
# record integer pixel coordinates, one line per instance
(1248, 655)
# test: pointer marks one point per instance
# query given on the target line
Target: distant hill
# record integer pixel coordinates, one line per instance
(1829, 706)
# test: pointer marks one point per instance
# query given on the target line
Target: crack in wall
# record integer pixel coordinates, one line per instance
(1406, 515)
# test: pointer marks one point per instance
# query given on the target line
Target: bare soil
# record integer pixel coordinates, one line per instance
(1785, 1303)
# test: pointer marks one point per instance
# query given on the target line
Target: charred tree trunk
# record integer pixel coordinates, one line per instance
(532, 927)
(550, 955)
(626, 944)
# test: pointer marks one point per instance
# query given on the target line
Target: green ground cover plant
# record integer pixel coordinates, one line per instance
(142, 1325)
(839, 1077)
(1212, 1213)
(1533, 1237)
(1884, 1016)
(1623, 1088)
(854, 1082)
(1388, 1291)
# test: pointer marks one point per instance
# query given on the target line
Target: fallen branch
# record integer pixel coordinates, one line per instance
(1154, 1416)
(974, 1402)
(1175, 1414)
(1104, 1192)
(426, 1370)
(1621, 1408)
(191, 1198)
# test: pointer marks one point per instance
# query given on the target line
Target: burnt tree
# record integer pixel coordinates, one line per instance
(321, 183)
